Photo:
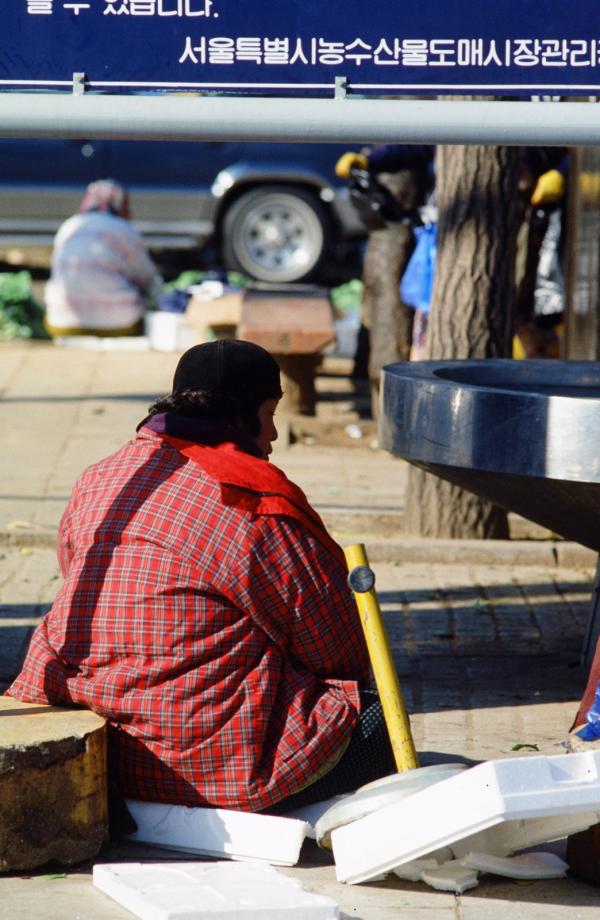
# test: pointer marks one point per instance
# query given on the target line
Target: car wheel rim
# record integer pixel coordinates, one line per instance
(279, 239)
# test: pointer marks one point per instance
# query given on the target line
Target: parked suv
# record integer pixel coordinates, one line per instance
(275, 211)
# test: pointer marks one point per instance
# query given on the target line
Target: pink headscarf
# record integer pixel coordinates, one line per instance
(105, 195)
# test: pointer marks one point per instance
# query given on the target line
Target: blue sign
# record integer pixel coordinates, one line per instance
(270, 47)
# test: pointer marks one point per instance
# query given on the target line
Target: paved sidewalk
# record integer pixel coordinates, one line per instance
(487, 647)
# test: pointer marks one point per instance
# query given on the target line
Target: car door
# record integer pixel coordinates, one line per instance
(169, 185)
(42, 183)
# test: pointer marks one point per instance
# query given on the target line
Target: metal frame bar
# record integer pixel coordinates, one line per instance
(341, 120)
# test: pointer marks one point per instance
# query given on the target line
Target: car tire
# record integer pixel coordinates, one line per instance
(276, 233)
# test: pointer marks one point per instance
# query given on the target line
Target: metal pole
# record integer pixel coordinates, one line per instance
(362, 582)
(342, 120)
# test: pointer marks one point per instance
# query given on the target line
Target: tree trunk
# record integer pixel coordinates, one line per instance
(471, 311)
(384, 314)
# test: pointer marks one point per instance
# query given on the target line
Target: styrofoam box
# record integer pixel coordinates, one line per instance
(346, 335)
(210, 891)
(219, 832)
(497, 807)
(168, 331)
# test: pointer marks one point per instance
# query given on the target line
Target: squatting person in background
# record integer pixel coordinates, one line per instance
(102, 279)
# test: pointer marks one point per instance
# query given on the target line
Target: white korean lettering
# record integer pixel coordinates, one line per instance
(383, 49)
(181, 8)
(248, 49)
(526, 52)
(221, 51)
(197, 8)
(330, 53)
(358, 56)
(472, 52)
(194, 53)
(469, 52)
(554, 52)
(492, 56)
(142, 7)
(579, 53)
(407, 52)
(414, 52)
(442, 53)
(113, 8)
(276, 51)
(39, 7)
(76, 7)
(298, 54)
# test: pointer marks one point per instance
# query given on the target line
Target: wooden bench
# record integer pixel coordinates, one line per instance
(53, 785)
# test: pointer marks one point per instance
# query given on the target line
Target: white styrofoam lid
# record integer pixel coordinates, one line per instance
(219, 832)
(496, 807)
(210, 891)
(382, 792)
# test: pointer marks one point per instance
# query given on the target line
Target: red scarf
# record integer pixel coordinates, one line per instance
(255, 485)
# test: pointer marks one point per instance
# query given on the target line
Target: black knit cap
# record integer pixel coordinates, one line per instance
(242, 370)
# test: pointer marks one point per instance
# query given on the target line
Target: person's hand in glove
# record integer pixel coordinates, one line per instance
(349, 161)
(550, 188)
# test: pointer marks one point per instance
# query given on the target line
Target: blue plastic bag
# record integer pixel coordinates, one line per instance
(417, 280)
(173, 301)
(591, 730)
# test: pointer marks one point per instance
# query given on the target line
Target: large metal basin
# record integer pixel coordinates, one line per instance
(523, 434)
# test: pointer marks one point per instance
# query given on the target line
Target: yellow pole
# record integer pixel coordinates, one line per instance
(362, 580)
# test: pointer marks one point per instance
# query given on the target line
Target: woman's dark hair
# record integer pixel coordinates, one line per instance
(210, 406)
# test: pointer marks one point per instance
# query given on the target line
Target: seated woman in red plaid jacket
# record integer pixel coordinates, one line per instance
(205, 611)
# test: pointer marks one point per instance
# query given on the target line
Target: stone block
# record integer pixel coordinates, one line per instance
(53, 788)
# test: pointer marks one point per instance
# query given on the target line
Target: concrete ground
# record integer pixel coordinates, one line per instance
(486, 636)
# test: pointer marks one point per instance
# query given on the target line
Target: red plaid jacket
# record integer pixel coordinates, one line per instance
(205, 613)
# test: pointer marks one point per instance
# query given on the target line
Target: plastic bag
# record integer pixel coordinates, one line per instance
(417, 281)
(550, 283)
(173, 301)
(591, 730)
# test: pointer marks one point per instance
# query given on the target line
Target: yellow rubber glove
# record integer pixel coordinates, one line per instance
(589, 187)
(348, 161)
(550, 188)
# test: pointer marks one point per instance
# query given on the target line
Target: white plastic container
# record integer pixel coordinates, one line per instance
(168, 331)
(346, 335)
